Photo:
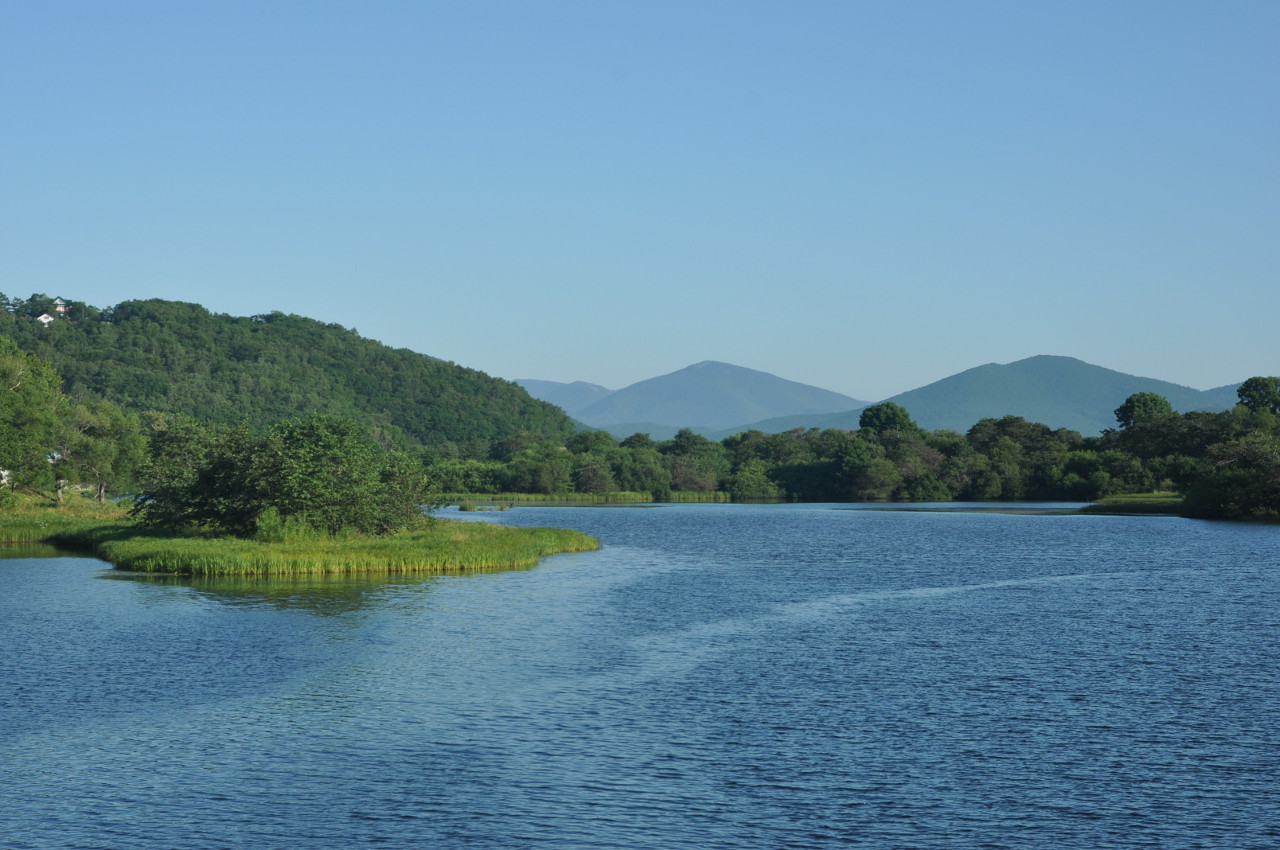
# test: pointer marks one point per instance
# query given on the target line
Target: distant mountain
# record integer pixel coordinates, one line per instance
(1061, 392)
(707, 395)
(844, 419)
(571, 398)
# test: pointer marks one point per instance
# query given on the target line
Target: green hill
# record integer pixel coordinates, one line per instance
(176, 357)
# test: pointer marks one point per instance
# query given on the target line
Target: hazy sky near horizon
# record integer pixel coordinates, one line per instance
(866, 197)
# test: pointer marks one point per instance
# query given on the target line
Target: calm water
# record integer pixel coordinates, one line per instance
(716, 677)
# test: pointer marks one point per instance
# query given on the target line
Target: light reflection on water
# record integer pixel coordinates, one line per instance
(715, 676)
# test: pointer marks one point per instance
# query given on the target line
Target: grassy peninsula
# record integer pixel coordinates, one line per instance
(432, 546)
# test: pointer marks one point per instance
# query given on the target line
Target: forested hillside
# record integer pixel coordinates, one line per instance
(180, 358)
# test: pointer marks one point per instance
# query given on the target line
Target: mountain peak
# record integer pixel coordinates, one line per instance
(712, 394)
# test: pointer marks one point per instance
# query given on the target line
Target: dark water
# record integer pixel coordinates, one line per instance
(715, 677)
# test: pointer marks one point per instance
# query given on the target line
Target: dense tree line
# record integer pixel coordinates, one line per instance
(1227, 464)
(319, 472)
(175, 357)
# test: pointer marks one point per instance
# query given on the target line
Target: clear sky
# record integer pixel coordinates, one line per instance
(863, 196)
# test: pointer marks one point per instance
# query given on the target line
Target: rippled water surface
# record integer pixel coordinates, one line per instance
(717, 676)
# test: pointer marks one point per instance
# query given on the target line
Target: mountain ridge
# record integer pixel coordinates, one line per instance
(705, 395)
(1055, 390)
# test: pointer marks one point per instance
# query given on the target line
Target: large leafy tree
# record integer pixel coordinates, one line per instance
(101, 445)
(31, 410)
(324, 471)
(1260, 393)
(1242, 480)
(886, 416)
(328, 471)
(1140, 407)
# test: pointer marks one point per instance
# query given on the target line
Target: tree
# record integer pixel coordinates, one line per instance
(750, 482)
(1241, 481)
(886, 416)
(31, 409)
(639, 440)
(539, 468)
(641, 470)
(1140, 407)
(325, 471)
(173, 487)
(696, 463)
(585, 442)
(1260, 393)
(102, 445)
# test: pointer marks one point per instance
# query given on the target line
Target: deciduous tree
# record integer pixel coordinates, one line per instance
(1142, 406)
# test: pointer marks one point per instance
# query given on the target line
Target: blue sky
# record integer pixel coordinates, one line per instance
(862, 196)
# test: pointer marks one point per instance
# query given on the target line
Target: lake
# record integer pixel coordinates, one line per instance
(716, 676)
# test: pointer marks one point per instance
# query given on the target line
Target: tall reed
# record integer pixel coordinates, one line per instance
(439, 548)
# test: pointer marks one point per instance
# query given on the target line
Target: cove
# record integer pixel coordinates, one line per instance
(714, 676)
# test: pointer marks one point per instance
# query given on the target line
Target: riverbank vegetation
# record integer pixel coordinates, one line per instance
(1219, 465)
(211, 475)
(434, 547)
(1166, 504)
(280, 548)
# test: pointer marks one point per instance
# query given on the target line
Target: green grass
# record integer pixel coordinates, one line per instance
(1136, 503)
(435, 547)
(27, 517)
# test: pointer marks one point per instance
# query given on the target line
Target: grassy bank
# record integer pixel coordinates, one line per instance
(1137, 503)
(435, 547)
(34, 518)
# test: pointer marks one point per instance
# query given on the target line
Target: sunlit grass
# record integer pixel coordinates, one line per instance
(1137, 503)
(438, 548)
(33, 517)
(433, 547)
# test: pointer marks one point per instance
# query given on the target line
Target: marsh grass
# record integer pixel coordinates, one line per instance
(1137, 503)
(432, 547)
(33, 518)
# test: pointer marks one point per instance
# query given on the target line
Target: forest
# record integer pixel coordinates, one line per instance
(174, 357)
(98, 432)
(1227, 465)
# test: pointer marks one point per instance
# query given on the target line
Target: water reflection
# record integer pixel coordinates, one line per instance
(318, 594)
(30, 550)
